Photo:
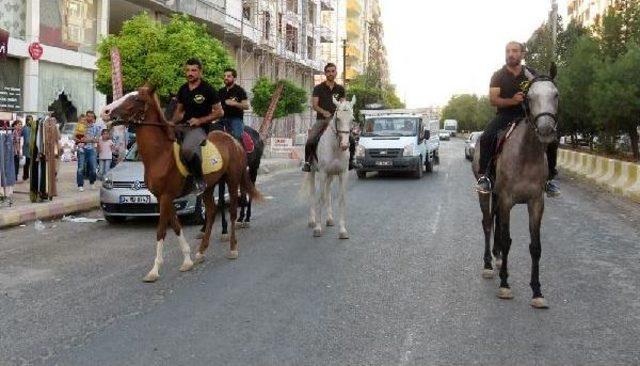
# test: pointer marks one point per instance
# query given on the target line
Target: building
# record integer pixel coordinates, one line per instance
(62, 77)
(588, 12)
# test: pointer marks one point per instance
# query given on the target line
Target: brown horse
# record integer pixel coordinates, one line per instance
(521, 173)
(155, 138)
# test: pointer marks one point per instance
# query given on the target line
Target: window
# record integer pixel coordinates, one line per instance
(267, 25)
(246, 12)
(292, 5)
(312, 13)
(292, 38)
(280, 24)
(311, 54)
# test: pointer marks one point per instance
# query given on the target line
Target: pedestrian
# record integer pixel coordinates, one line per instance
(234, 102)
(26, 145)
(86, 137)
(105, 152)
(17, 144)
(100, 125)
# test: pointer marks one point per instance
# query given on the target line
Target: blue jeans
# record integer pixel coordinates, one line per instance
(88, 157)
(105, 166)
(234, 126)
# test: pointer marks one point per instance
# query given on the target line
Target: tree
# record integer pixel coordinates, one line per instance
(540, 51)
(462, 108)
(620, 28)
(293, 99)
(615, 96)
(368, 90)
(154, 52)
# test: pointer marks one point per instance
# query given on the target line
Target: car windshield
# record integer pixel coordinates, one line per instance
(132, 154)
(391, 127)
(68, 128)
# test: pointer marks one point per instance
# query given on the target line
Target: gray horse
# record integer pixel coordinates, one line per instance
(521, 173)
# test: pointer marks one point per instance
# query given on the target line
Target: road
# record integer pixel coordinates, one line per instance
(406, 289)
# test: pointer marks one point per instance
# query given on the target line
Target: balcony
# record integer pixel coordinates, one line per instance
(326, 34)
(327, 5)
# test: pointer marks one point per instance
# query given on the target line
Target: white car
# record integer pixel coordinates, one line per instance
(470, 144)
(444, 135)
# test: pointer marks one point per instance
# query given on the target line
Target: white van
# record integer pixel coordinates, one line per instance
(397, 140)
(451, 125)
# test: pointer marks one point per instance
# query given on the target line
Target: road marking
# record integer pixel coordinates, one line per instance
(406, 346)
(434, 225)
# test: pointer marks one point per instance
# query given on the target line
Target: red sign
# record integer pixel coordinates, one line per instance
(35, 50)
(116, 74)
(4, 44)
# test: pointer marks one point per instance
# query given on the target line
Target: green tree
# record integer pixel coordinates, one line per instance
(484, 113)
(540, 50)
(620, 28)
(293, 99)
(369, 89)
(615, 96)
(462, 108)
(154, 52)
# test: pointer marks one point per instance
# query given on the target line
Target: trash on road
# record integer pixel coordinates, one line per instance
(39, 225)
(82, 220)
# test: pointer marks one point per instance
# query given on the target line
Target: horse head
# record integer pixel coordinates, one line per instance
(342, 121)
(131, 108)
(541, 105)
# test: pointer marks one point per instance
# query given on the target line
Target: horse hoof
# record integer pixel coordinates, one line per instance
(224, 238)
(505, 293)
(185, 267)
(233, 254)
(343, 235)
(330, 222)
(498, 263)
(539, 303)
(199, 259)
(317, 233)
(488, 274)
(311, 224)
(151, 277)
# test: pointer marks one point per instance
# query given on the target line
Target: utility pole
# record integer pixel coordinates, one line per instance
(344, 61)
(240, 61)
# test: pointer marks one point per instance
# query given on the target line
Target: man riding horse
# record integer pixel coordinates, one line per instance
(507, 94)
(198, 106)
(323, 104)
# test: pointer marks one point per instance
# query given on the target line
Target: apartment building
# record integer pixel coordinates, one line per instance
(588, 12)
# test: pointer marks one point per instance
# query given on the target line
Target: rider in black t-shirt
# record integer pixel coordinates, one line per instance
(234, 102)
(198, 106)
(506, 93)
(323, 95)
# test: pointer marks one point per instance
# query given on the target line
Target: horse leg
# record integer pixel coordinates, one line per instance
(166, 212)
(536, 209)
(210, 217)
(329, 201)
(487, 226)
(253, 174)
(312, 199)
(342, 202)
(247, 218)
(317, 230)
(187, 263)
(233, 213)
(497, 238)
(504, 211)
(221, 206)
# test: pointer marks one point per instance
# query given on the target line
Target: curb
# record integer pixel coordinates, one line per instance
(616, 176)
(65, 206)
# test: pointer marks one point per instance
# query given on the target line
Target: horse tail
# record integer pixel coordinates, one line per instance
(247, 187)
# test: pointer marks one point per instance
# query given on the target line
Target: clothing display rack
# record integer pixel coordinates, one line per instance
(8, 176)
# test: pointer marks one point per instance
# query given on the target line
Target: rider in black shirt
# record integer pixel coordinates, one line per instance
(234, 102)
(198, 106)
(507, 95)
(323, 95)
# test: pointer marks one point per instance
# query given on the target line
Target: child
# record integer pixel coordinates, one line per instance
(105, 152)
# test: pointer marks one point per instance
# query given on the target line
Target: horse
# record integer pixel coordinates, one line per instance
(332, 160)
(253, 163)
(521, 173)
(156, 138)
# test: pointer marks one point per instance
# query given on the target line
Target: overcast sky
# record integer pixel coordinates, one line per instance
(438, 48)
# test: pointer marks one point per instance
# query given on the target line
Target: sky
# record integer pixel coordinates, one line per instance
(439, 48)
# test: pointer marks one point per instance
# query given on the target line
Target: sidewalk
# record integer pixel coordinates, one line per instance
(69, 200)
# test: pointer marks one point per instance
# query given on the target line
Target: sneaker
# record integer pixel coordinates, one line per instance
(80, 189)
(306, 167)
(483, 185)
(552, 189)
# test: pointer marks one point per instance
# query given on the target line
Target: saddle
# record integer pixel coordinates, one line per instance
(247, 142)
(208, 156)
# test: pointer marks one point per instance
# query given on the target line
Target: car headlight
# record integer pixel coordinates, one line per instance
(107, 183)
(360, 151)
(408, 150)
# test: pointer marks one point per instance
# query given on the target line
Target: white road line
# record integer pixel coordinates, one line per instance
(434, 225)
(406, 347)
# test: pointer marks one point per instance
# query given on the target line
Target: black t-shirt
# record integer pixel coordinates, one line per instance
(325, 96)
(509, 85)
(236, 93)
(197, 102)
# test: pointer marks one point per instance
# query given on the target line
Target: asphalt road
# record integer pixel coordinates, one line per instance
(406, 289)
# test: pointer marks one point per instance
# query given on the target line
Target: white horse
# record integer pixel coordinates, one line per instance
(333, 160)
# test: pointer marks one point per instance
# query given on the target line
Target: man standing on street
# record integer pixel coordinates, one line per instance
(323, 95)
(234, 102)
(506, 93)
(198, 106)
(87, 155)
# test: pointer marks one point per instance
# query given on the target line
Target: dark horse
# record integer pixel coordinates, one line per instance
(156, 139)
(253, 163)
(521, 173)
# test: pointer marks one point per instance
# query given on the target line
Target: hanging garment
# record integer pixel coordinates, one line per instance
(51, 138)
(8, 168)
(34, 180)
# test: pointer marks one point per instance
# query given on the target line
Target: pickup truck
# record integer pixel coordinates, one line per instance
(397, 140)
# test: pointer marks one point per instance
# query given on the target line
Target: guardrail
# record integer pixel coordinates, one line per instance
(616, 176)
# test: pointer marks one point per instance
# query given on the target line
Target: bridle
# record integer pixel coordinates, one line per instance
(138, 119)
(532, 120)
(338, 131)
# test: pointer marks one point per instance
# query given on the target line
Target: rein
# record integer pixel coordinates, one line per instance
(532, 121)
(338, 131)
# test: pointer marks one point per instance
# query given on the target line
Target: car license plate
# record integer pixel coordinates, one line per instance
(384, 163)
(134, 199)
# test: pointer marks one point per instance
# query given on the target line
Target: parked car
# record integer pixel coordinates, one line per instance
(444, 135)
(124, 194)
(470, 144)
